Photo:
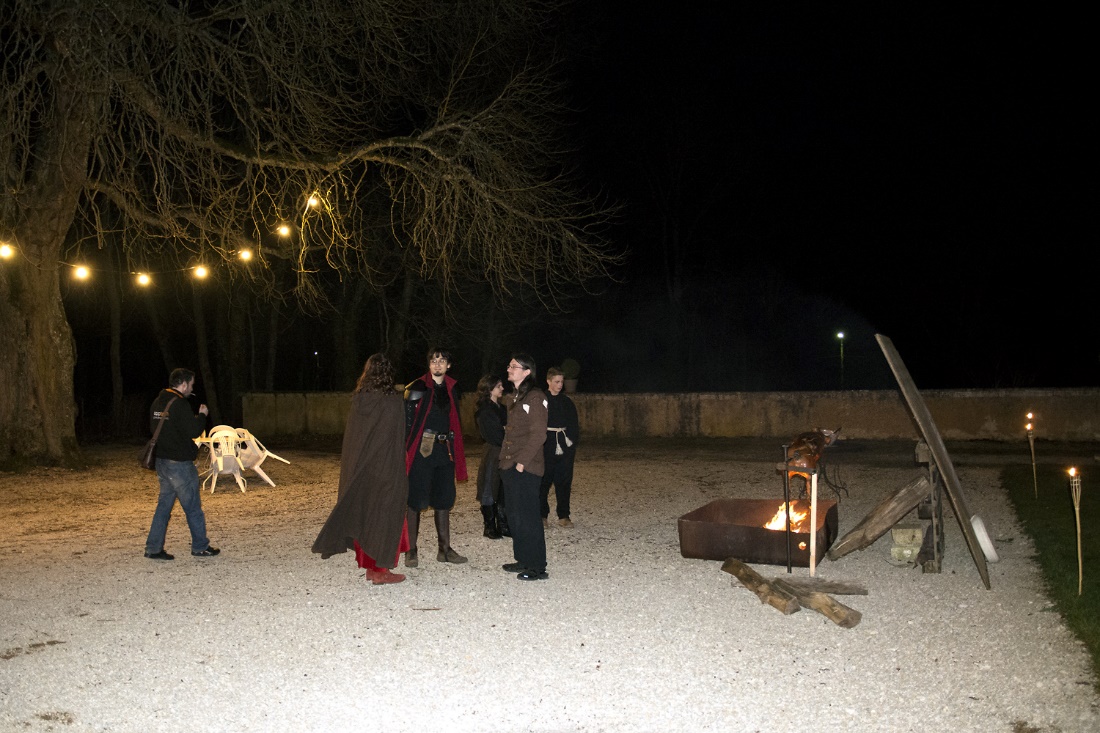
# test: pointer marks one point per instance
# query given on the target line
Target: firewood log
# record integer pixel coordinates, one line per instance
(819, 585)
(882, 517)
(782, 600)
(826, 605)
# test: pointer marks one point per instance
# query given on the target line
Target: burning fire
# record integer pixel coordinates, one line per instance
(779, 521)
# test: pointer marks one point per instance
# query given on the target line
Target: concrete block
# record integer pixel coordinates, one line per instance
(907, 534)
(904, 553)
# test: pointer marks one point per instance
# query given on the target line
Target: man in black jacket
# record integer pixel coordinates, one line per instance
(179, 479)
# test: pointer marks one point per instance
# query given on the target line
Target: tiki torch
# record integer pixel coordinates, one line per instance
(787, 501)
(1075, 491)
(1031, 441)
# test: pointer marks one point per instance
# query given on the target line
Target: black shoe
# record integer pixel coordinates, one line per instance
(514, 567)
(208, 552)
(532, 575)
(162, 555)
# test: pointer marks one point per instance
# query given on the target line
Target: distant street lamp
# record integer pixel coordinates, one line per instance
(1031, 440)
(840, 337)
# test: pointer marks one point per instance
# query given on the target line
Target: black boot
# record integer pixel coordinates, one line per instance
(443, 529)
(489, 516)
(413, 517)
(502, 520)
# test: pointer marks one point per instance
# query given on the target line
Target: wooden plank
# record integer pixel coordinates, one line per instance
(782, 600)
(879, 521)
(932, 436)
(827, 606)
(818, 585)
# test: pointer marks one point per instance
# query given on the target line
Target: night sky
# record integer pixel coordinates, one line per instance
(905, 172)
(787, 173)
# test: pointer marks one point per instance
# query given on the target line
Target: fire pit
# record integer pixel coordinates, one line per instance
(736, 528)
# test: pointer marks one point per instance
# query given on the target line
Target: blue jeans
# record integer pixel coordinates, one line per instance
(178, 480)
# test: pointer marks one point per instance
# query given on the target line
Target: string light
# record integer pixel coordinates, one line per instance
(145, 279)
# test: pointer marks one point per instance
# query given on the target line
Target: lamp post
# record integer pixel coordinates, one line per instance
(840, 338)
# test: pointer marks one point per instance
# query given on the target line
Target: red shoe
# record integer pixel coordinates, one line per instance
(383, 576)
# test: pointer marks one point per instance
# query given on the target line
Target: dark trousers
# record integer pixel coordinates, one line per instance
(559, 472)
(432, 480)
(521, 496)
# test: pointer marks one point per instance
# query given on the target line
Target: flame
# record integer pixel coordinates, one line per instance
(779, 521)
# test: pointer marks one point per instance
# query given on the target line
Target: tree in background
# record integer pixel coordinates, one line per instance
(401, 143)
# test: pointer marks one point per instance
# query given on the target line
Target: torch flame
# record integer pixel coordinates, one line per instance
(779, 521)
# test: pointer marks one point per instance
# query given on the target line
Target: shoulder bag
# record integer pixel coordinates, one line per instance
(148, 457)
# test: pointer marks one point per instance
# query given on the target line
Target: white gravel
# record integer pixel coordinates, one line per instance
(625, 636)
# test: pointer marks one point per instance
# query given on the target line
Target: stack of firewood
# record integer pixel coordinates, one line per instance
(789, 594)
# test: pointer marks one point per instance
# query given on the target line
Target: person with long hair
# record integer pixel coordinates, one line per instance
(491, 417)
(521, 465)
(369, 516)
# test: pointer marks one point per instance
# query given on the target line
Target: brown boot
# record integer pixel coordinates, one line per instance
(413, 517)
(443, 529)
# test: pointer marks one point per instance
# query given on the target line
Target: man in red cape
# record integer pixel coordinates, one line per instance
(434, 454)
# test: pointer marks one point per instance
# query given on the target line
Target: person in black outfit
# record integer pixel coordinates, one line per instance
(434, 453)
(179, 479)
(491, 417)
(560, 450)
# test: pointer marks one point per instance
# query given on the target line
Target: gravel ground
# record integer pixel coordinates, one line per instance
(626, 635)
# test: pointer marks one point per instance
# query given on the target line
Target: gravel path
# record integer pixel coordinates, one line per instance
(625, 636)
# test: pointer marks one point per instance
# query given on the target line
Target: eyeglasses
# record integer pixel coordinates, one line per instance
(516, 366)
(438, 360)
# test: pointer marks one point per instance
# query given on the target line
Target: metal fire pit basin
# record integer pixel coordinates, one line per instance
(728, 528)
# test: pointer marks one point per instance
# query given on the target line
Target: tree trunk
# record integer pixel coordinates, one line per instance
(272, 346)
(37, 354)
(160, 333)
(37, 409)
(201, 343)
(114, 301)
(348, 361)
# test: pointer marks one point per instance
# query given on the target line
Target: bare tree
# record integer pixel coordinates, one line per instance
(202, 127)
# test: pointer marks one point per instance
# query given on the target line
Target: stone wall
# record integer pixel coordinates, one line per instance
(1064, 414)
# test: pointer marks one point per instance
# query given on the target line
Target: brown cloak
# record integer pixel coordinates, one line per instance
(373, 493)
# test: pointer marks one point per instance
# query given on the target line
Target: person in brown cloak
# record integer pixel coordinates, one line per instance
(370, 503)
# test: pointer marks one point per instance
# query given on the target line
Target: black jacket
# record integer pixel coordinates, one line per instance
(176, 441)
